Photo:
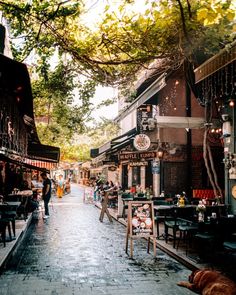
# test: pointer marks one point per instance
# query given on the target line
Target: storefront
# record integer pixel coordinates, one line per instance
(216, 88)
(21, 152)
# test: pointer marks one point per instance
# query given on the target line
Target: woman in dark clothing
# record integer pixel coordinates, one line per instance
(46, 193)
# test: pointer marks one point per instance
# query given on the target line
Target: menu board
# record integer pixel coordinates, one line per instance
(140, 224)
(141, 219)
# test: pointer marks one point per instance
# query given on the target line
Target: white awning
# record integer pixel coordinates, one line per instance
(180, 122)
(154, 88)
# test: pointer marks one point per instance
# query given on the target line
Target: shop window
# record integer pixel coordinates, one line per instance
(136, 176)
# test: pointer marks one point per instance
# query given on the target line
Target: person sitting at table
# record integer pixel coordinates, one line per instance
(25, 186)
(31, 203)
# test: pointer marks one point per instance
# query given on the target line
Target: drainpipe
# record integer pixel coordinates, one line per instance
(189, 141)
(231, 182)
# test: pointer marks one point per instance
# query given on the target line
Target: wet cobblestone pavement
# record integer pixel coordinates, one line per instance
(73, 253)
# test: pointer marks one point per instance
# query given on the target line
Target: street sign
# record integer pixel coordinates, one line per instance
(155, 167)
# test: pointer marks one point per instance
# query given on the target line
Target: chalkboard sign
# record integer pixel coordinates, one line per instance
(140, 223)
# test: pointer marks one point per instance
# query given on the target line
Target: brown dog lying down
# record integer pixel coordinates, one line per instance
(209, 282)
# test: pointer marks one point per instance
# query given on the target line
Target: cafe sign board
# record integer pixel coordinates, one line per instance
(140, 223)
(137, 164)
(137, 155)
(142, 142)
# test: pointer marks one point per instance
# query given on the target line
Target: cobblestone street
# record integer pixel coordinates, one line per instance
(73, 253)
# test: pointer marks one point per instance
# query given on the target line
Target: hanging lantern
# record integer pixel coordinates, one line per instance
(226, 129)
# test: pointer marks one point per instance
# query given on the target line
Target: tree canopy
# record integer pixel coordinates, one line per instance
(79, 148)
(125, 40)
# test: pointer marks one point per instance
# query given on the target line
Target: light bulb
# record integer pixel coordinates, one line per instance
(231, 103)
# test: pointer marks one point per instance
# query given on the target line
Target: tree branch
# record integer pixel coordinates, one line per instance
(183, 21)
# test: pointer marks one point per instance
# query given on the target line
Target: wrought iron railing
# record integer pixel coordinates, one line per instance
(13, 132)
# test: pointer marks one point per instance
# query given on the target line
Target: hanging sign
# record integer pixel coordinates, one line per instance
(142, 142)
(155, 167)
(143, 114)
(140, 223)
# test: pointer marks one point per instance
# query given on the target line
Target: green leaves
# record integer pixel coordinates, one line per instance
(55, 105)
(126, 41)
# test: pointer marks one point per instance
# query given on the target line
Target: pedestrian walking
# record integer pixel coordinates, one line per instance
(46, 193)
(60, 186)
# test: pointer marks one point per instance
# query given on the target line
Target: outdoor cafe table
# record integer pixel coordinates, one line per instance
(122, 202)
(9, 204)
(22, 197)
(166, 207)
(188, 211)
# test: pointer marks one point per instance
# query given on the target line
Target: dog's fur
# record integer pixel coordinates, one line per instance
(209, 282)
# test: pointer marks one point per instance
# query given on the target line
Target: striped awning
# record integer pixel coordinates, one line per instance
(41, 164)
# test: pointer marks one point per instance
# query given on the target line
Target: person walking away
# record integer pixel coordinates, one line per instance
(60, 187)
(46, 193)
(67, 186)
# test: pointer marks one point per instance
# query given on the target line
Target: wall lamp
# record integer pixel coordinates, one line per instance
(160, 153)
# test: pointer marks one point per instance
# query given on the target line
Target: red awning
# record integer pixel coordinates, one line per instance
(41, 164)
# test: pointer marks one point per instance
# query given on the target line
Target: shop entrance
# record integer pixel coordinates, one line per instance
(136, 180)
(125, 176)
(174, 177)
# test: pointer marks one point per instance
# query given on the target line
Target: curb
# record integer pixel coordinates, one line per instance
(10, 249)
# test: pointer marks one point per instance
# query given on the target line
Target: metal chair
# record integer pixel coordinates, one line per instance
(186, 234)
(125, 197)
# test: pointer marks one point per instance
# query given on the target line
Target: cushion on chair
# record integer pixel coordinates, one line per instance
(204, 236)
(230, 245)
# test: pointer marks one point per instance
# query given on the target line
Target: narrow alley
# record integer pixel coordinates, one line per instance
(73, 253)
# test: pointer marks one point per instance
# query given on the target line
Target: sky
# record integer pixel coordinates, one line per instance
(93, 15)
(109, 112)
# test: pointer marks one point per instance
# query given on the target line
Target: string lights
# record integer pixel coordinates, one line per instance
(169, 102)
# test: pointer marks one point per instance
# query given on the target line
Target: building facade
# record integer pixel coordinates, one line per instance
(215, 87)
(161, 141)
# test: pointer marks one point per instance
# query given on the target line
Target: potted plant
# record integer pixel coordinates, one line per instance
(201, 208)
